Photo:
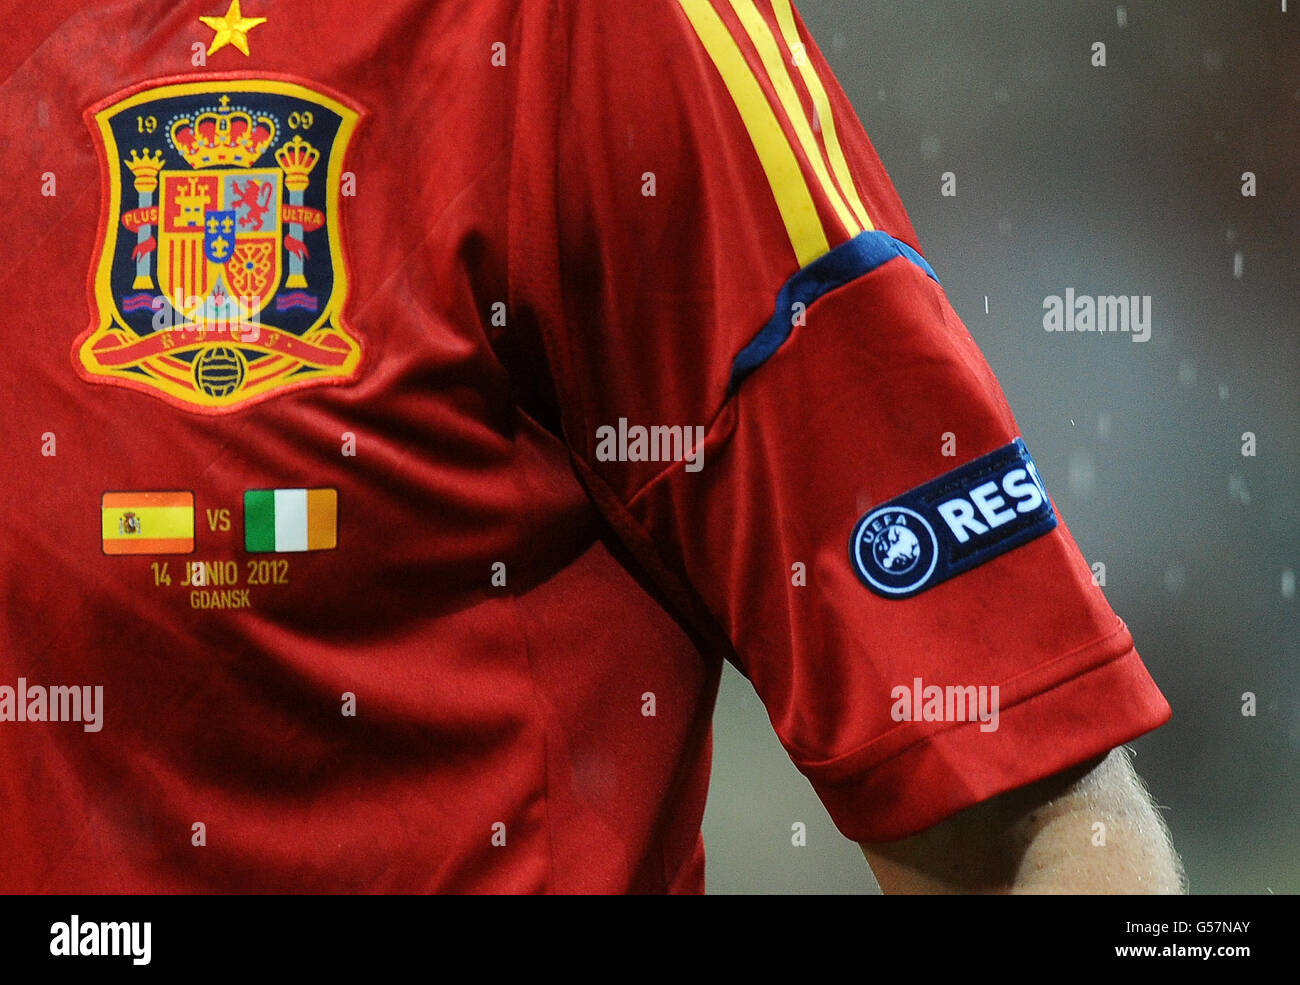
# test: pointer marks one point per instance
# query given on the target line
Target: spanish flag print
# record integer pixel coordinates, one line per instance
(284, 520)
(769, 72)
(147, 522)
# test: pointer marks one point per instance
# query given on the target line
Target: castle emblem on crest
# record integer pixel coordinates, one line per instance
(220, 278)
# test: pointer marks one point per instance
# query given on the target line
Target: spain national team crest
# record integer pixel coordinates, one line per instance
(220, 276)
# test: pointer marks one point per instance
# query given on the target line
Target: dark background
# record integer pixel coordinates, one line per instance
(1117, 180)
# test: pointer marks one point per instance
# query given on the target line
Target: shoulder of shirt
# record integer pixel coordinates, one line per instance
(758, 79)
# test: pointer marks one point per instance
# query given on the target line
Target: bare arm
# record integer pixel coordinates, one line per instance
(1042, 839)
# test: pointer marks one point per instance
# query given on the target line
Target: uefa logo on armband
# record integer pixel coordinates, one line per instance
(895, 550)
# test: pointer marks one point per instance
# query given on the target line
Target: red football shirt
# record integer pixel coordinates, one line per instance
(358, 537)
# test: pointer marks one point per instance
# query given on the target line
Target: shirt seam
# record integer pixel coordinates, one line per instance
(731, 397)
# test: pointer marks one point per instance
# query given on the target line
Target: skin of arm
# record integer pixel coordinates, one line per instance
(1042, 838)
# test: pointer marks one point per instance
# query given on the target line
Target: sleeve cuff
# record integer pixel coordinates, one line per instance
(1109, 700)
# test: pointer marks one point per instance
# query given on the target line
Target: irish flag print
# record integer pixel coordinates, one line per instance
(285, 520)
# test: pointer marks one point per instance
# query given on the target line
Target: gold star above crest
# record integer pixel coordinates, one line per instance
(233, 28)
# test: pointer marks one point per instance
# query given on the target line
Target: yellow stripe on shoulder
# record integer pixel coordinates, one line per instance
(778, 73)
(785, 18)
(794, 198)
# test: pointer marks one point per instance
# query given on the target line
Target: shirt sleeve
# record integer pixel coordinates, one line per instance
(767, 393)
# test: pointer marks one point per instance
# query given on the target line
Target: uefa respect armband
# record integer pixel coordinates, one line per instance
(951, 524)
